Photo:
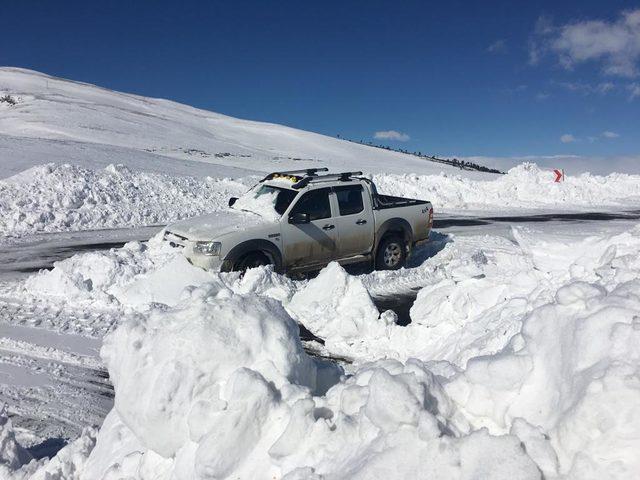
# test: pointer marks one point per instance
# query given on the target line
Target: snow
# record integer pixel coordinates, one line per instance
(77, 157)
(186, 377)
(525, 186)
(64, 197)
(12, 454)
(53, 198)
(521, 360)
(335, 304)
(62, 121)
(260, 203)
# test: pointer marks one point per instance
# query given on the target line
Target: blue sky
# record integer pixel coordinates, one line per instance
(465, 78)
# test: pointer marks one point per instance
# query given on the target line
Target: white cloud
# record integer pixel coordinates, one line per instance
(586, 88)
(605, 87)
(634, 90)
(616, 44)
(391, 135)
(542, 96)
(499, 46)
(568, 138)
(608, 134)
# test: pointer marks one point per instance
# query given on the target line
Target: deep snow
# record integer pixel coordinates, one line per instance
(522, 357)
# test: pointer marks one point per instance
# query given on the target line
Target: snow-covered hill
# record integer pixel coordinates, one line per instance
(177, 161)
(57, 120)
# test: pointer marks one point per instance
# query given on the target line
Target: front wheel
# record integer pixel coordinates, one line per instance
(252, 260)
(391, 254)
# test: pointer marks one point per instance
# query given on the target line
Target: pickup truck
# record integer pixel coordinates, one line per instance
(301, 220)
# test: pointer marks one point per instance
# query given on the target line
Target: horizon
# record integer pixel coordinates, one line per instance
(548, 83)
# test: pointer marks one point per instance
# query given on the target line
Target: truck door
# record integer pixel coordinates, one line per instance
(313, 242)
(354, 221)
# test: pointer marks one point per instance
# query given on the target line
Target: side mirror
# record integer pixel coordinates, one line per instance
(232, 200)
(299, 218)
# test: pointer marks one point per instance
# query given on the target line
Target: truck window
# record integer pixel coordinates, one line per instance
(349, 199)
(315, 203)
(283, 197)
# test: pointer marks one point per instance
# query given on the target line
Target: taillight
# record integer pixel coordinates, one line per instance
(430, 217)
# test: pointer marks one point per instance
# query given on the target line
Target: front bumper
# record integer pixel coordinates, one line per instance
(206, 262)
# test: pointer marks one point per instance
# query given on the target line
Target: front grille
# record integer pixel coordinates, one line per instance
(174, 239)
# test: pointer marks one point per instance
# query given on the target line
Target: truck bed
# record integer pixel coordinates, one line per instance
(388, 201)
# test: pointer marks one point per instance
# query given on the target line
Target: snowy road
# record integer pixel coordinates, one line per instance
(21, 257)
(54, 382)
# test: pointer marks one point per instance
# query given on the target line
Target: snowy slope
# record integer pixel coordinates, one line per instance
(65, 121)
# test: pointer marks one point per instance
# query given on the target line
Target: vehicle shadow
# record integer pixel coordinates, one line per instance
(48, 448)
(437, 242)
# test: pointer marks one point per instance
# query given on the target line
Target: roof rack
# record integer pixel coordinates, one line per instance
(309, 172)
(342, 177)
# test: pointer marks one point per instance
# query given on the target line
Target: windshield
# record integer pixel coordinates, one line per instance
(266, 200)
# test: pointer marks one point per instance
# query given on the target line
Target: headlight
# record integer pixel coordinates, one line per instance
(208, 248)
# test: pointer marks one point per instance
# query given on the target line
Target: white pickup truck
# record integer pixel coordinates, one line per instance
(301, 220)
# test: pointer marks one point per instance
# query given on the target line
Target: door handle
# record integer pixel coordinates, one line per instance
(361, 222)
(328, 227)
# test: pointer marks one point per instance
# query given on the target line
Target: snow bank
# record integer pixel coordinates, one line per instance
(523, 187)
(573, 372)
(139, 275)
(16, 463)
(219, 387)
(537, 338)
(12, 455)
(337, 307)
(472, 297)
(96, 276)
(526, 363)
(53, 197)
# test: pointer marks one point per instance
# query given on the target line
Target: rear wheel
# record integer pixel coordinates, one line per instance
(391, 254)
(252, 260)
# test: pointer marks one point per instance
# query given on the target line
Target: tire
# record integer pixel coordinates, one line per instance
(252, 260)
(391, 254)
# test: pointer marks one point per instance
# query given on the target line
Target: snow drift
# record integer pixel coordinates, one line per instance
(525, 364)
(523, 187)
(53, 198)
(219, 387)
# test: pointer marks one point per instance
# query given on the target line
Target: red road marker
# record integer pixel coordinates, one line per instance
(559, 175)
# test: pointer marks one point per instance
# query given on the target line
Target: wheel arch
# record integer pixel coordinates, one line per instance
(257, 245)
(394, 226)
